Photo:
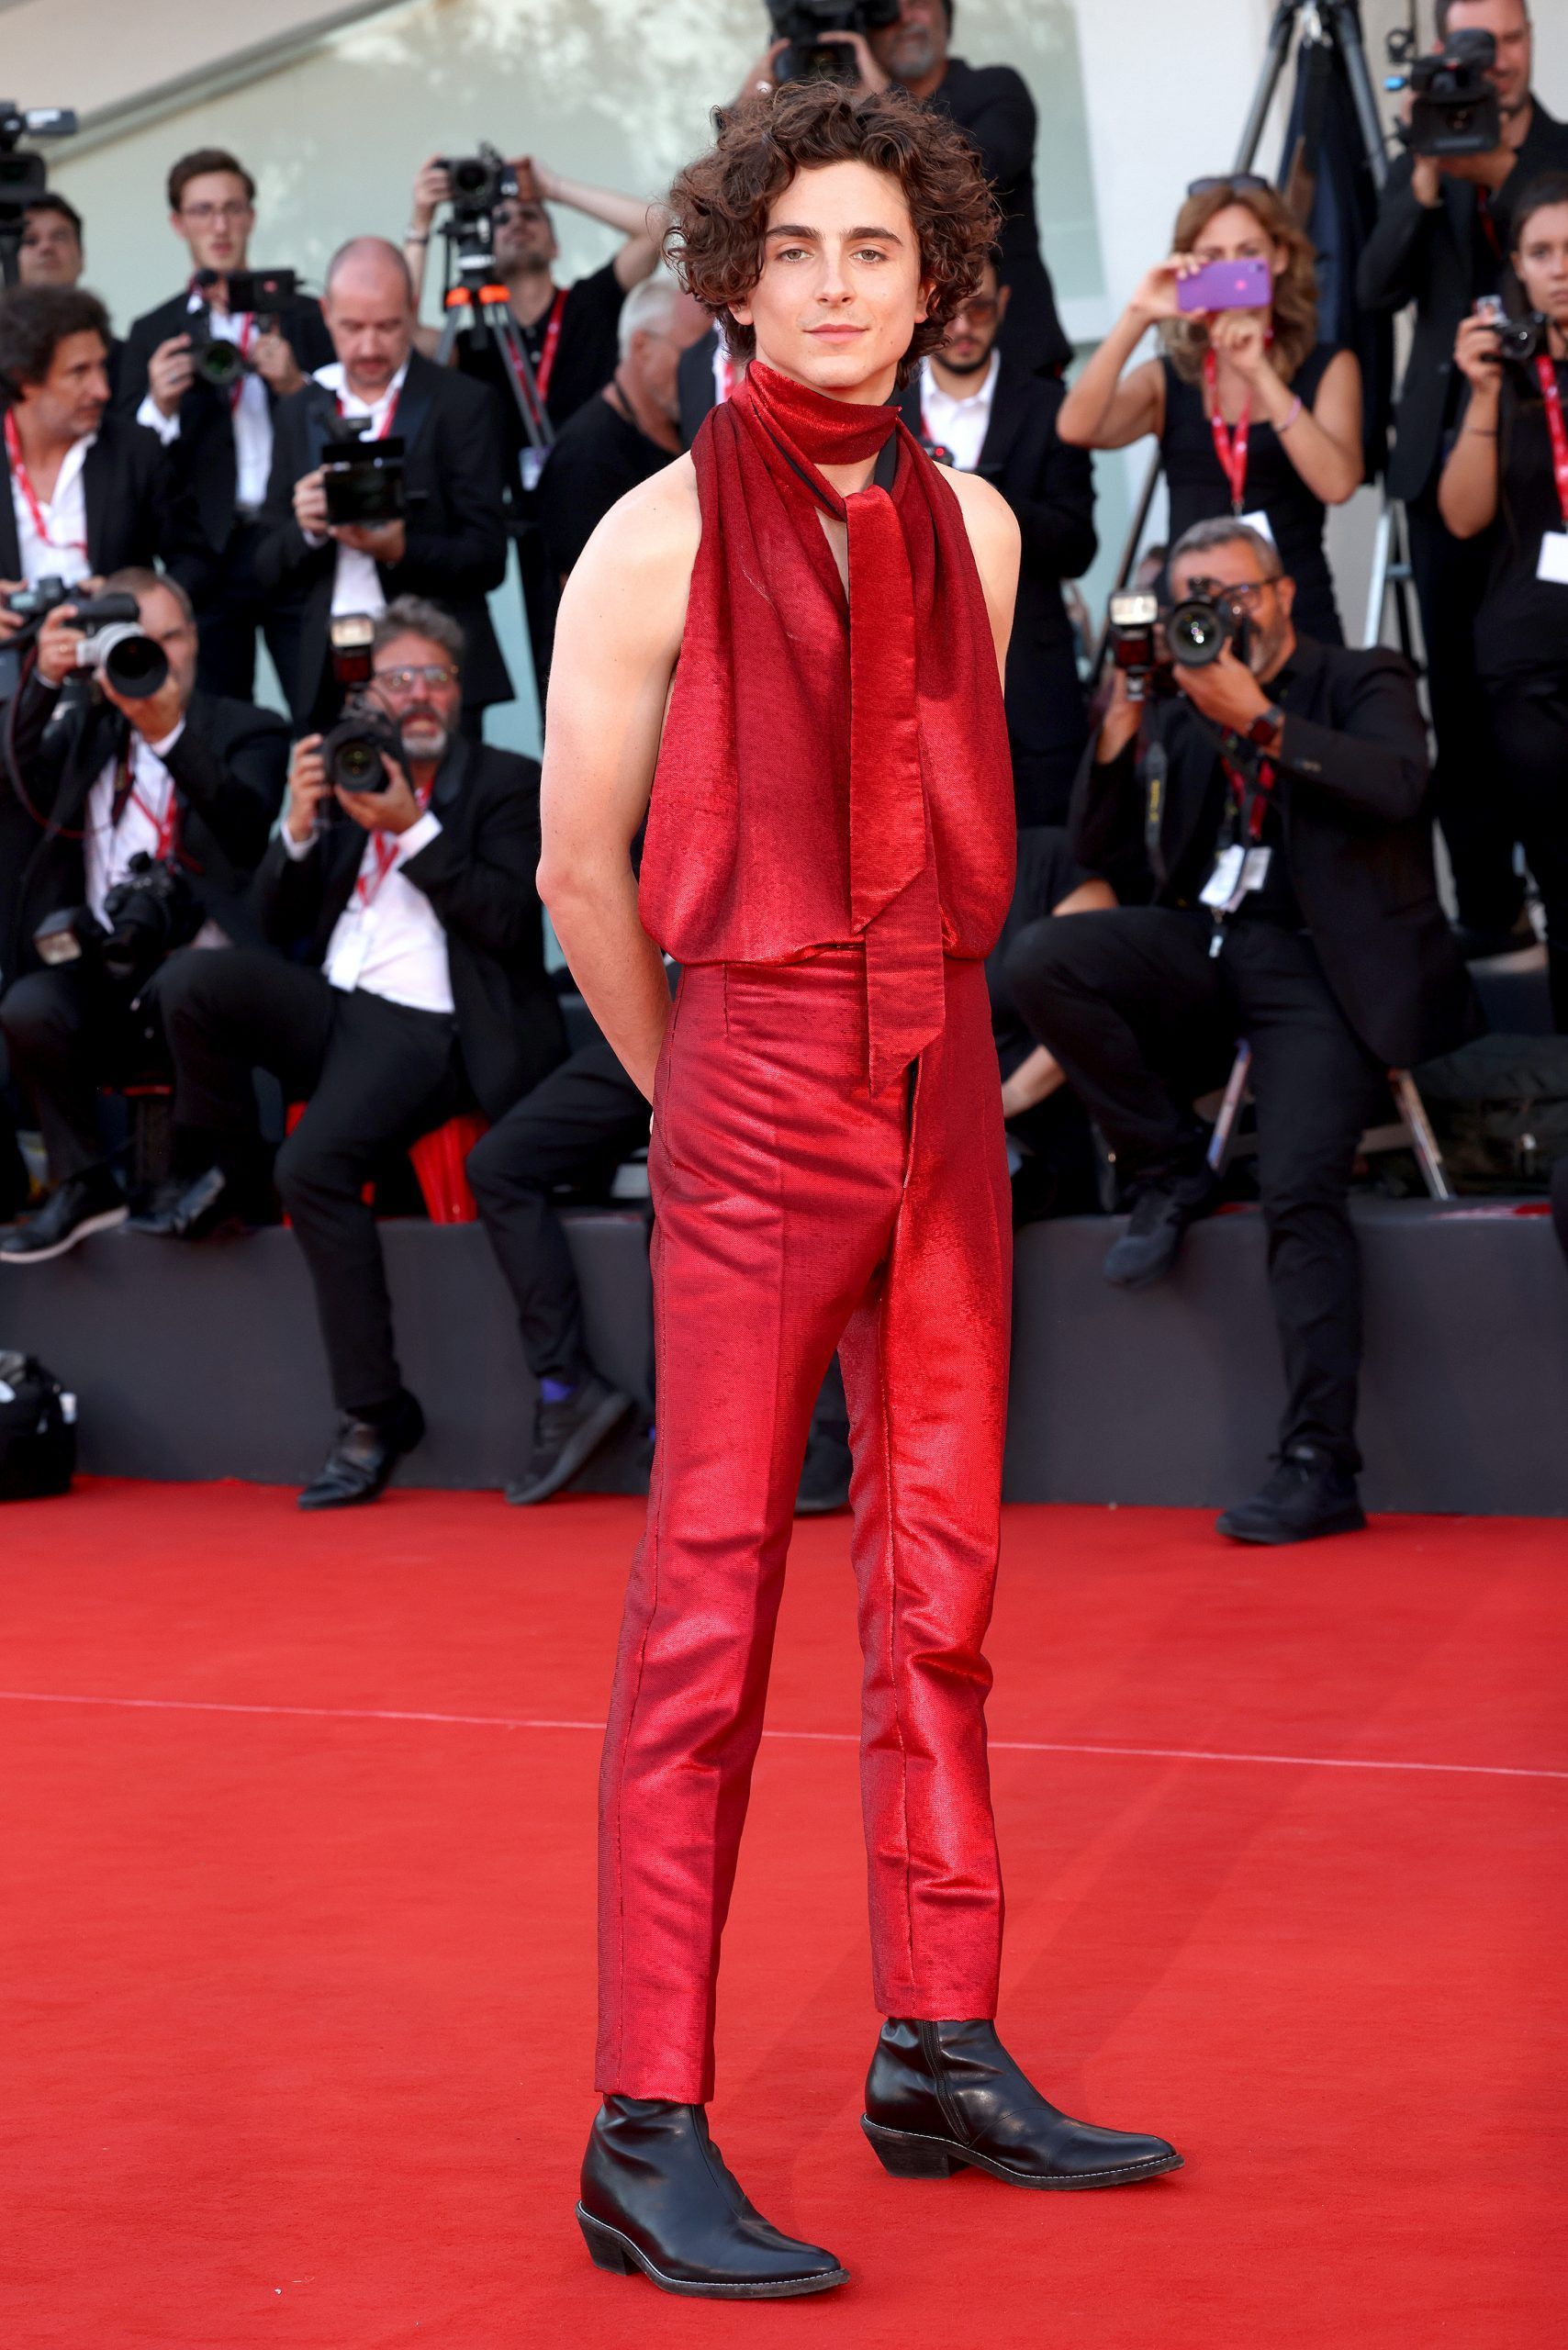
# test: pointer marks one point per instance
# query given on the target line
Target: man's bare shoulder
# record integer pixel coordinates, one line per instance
(656, 525)
(629, 586)
(989, 520)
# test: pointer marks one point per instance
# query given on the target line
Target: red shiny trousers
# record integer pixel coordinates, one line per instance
(798, 1213)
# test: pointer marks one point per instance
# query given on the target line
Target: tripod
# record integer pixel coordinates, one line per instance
(479, 304)
(1330, 39)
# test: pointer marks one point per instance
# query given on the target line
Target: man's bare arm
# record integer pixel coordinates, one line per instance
(616, 643)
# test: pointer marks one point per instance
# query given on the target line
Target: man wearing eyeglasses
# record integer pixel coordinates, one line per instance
(411, 985)
(1270, 812)
(977, 408)
(221, 439)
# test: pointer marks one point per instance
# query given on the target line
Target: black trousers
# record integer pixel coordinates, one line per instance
(373, 1076)
(1451, 579)
(1126, 997)
(576, 1127)
(232, 608)
(68, 1031)
(1530, 728)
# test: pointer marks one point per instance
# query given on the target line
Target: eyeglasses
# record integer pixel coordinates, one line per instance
(403, 681)
(1243, 183)
(204, 215)
(1245, 592)
(980, 311)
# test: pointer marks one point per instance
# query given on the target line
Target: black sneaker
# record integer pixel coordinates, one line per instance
(1148, 1248)
(824, 1476)
(566, 1435)
(82, 1204)
(1308, 1495)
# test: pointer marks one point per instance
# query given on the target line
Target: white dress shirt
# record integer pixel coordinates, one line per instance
(388, 939)
(252, 413)
(958, 425)
(143, 819)
(60, 552)
(356, 583)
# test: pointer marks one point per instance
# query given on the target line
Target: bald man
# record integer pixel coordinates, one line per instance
(449, 541)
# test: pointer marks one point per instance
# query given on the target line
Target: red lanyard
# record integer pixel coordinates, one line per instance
(167, 825)
(1230, 448)
(546, 367)
(1551, 392)
(385, 849)
(385, 426)
(1253, 795)
(23, 479)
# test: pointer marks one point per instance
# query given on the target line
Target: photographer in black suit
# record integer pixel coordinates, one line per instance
(220, 440)
(975, 403)
(178, 776)
(1441, 241)
(450, 544)
(1282, 802)
(422, 988)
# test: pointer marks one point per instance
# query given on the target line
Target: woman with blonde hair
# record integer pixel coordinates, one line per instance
(1253, 415)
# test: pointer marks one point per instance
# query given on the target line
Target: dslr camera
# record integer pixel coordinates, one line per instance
(1148, 646)
(1454, 109)
(1520, 342)
(264, 292)
(353, 750)
(147, 915)
(113, 646)
(363, 479)
(478, 183)
(802, 23)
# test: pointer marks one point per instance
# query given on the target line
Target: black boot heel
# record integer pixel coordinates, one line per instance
(605, 2249)
(905, 2157)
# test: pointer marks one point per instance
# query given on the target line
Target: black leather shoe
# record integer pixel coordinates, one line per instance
(1308, 1495)
(1148, 1248)
(566, 1435)
(81, 1205)
(656, 2196)
(942, 2095)
(194, 1210)
(364, 1455)
(824, 1476)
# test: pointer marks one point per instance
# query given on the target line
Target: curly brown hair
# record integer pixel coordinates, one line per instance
(1295, 288)
(719, 204)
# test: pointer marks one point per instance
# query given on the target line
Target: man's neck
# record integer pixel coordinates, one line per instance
(531, 292)
(1515, 126)
(1282, 660)
(649, 418)
(421, 775)
(369, 399)
(44, 447)
(961, 384)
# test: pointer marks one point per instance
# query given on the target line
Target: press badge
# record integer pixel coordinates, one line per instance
(532, 466)
(1553, 564)
(1237, 871)
(1259, 522)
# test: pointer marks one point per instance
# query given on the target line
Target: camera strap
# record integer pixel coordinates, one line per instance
(1552, 393)
(1230, 448)
(1156, 767)
(23, 480)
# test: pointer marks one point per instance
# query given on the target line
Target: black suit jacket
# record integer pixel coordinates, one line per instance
(203, 454)
(456, 552)
(991, 105)
(138, 513)
(694, 385)
(228, 767)
(1438, 260)
(1050, 488)
(1351, 791)
(478, 874)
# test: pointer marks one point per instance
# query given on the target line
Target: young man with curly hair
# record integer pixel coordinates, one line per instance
(784, 652)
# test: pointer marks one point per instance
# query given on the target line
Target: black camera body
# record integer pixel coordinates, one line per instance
(1521, 341)
(351, 753)
(1199, 628)
(24, 177)
(262, 293)
(363, 479)
(478, 183)
(1455, 110)
(146, 915)
(1148, 646)
(802, 23)
(37, 602)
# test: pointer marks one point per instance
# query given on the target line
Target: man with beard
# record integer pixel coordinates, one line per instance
(411, 985)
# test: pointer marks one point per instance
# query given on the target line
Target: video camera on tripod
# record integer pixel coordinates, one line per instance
(476, 304)
(1454, 108)
(23, 177)
(802, 23)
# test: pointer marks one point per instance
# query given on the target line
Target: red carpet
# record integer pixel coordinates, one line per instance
(298, 1974)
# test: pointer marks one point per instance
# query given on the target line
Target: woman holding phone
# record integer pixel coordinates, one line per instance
(1508, 472)
(1253, 415)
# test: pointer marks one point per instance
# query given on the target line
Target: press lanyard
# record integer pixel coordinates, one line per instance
(1551, 392)
(385, 849)
(546, 367)
(385, 425)
(23, 479)
(1229, 448)
(165, 827)
(1252, 797)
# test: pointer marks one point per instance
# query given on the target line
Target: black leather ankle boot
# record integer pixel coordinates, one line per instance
(940, 2095)
(657, 2197)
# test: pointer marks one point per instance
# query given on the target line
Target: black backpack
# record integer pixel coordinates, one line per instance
(37, 1431)
(1500, 1109)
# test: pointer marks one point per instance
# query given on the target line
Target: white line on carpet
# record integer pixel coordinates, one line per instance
(816, 1737)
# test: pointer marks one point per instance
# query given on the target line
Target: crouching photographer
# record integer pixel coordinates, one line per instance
(401, 888)
(1274, 794)
(143, 806)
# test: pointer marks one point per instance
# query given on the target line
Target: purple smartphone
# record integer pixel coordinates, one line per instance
(1227, 285)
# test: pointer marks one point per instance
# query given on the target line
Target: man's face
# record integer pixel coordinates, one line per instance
(1509, 25)
(1234, 573)
(968, 347)
(214, 218)
(654, 353)
(524, 236)
(371, 320)
(51, 254)
(420, 690)
(71, 401)
(916, 45)
(840, 292)
(164, 622)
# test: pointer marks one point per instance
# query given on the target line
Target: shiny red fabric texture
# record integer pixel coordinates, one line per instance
(833, 768)
(796, 1211)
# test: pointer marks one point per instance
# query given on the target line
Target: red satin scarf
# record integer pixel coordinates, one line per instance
(765, 706)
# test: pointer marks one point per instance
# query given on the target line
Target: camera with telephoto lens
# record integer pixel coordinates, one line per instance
(478, 183)
(1454, 108)
(363, 479)
(116, 648)
(802, 23)
(146, 915)
(262, 293)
